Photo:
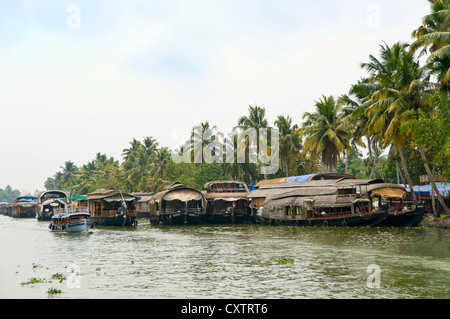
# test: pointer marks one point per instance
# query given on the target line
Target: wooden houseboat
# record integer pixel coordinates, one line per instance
(25, 207)
(402, 211)
(111, 207)
(143, 204)
(177, 205)
(227, 202)
(48, 202)
(319, 206)
(4, 208)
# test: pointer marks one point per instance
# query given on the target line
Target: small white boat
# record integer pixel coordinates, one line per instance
(70, 222)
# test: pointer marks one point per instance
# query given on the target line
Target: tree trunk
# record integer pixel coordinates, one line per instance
(408, 178)
(372, 163)
(346, 162)
(433, 184)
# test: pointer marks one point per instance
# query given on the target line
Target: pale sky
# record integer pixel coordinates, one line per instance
(80, 77)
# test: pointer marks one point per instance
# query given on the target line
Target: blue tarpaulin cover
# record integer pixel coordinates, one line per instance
(444, 189)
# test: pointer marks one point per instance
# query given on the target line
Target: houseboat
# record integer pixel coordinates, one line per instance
(402, 211)
(48, 202)
(142, 205)
(111, 207)
(319, 206)
(25, 207)
(177, 205)
(4, 208)
(227, 202)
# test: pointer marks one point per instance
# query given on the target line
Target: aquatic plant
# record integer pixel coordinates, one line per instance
(32, 281)
(59, 276)
(54, 291)
(284, 261)
(36, 266)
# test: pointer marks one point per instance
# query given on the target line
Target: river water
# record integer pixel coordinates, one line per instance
(227, 261)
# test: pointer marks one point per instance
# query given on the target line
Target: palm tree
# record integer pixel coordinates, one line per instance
(358, 100)
(325, 131)
(69, 171)
(208, 135)
(160, 161)
(256, 120)
(130, 153)
(290, 141)
(433, 37)
(398, 76)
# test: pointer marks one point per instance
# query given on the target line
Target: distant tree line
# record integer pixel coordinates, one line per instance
(8, 194)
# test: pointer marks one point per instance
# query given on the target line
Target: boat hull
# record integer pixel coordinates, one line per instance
(28, 214)
(404, 219)
(73, 228)
(228, 218)
(118, 220)
(368, 219)
(177, 219)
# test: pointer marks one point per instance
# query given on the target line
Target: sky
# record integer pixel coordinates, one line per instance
(80, 77)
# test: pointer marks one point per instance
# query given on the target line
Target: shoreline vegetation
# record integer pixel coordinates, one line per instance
(398, 112)
(435, 222)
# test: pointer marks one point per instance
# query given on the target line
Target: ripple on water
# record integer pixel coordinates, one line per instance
(225, 261)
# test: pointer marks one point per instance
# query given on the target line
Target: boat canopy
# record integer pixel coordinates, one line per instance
(389, 192)
(183, 195)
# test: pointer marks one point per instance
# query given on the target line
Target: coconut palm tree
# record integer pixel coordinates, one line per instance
(401, 88)
(433, 37)
(325, 132)
(290, 141)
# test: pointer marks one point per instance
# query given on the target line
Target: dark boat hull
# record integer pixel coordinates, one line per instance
(368, 219)
(404, 219)
(177, 219)
(228, 218)
(120, 220)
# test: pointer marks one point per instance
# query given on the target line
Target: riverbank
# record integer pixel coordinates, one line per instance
(431, 221)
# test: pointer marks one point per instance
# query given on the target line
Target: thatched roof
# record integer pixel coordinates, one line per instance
(110, 194)
(307, 178)
(178, 191)
(225, 190)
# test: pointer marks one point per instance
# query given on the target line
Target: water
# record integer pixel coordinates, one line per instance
(229, 261)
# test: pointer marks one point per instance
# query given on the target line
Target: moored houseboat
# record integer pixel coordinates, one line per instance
(227, 202)
(142, 205)
(49, 201)
(402, 211)
(111, 207)
(4, 208)
(25, 207)
(319, 206)
(177, 205)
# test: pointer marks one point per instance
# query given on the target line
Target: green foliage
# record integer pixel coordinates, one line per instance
(8, 194)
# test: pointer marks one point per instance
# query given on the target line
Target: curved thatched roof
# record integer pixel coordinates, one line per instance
(178, 191)
(110, 194)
